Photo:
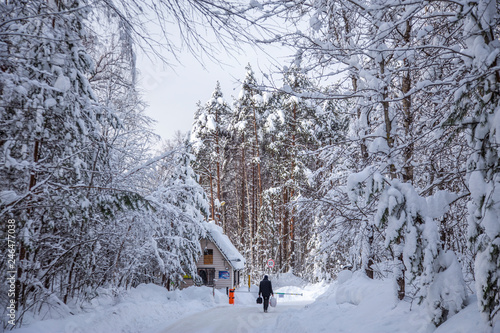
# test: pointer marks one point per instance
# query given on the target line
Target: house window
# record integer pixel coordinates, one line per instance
(208, 257)
(207, 276)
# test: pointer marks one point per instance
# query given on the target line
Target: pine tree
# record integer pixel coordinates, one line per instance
(246, 136)
(288, 130)
(209, 137)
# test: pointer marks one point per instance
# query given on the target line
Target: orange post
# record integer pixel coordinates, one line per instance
(231, 296)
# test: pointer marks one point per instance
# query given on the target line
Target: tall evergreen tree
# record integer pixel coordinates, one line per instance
(209, 137)
(246, 136)
(289, 131)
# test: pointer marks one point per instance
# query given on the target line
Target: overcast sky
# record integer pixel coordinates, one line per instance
(172, 94)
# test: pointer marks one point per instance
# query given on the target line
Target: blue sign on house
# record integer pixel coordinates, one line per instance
(224, 275)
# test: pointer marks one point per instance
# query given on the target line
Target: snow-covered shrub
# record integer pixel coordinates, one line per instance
(445, 289)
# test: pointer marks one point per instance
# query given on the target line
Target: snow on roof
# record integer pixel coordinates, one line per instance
(231, 254)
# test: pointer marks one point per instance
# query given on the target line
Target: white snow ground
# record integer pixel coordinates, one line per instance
(351, 304)
(237, 319)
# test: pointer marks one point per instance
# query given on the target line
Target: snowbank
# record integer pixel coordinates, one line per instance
(143, 309)
(355, 303)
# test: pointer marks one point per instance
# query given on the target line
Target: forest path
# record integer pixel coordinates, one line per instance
(235, 318)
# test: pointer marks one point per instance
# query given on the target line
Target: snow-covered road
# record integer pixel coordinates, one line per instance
(237, 319)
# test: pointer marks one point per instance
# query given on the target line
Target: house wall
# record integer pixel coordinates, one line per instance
(219, 264)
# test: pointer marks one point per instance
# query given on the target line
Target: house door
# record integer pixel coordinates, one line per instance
(207, 276)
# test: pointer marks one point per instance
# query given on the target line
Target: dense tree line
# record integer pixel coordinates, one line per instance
(252, 159)
(388, 163)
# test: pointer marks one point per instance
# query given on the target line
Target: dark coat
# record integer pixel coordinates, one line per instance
(265, 287)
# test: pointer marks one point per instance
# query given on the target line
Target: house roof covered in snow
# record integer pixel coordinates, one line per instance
(230, 253)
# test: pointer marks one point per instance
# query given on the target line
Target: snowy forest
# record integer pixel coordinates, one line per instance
(377, 149)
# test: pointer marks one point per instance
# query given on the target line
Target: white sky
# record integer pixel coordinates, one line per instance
(172, 94)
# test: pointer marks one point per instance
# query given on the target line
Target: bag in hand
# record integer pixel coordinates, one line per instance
(272, 302)
(259, 300)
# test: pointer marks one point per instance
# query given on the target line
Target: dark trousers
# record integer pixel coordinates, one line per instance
(266, 302)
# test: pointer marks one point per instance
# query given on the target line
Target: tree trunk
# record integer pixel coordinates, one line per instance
(369, 264)
(407, 114)
(257, 154)
(212, 205)
(286, 230)
(70, 280)
(400, 279)
(292, 189)
(20, 291)
(400, 272)
(218, 158)
(387, 118)
(243, 198)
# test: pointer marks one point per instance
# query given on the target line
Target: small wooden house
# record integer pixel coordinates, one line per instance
(221, 264)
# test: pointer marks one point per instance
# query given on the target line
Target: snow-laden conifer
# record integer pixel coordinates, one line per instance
(179, 207)
(477, 101)
(209, 139)
(410, 228)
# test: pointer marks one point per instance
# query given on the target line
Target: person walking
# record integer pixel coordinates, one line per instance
(266, 289)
